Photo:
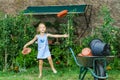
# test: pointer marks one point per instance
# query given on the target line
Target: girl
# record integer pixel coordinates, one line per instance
(43, 48)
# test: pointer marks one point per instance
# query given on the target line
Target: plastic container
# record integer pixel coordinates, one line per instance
(99, 48)
(86, 52)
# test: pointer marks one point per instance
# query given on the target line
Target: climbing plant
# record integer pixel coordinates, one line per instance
(15, 32)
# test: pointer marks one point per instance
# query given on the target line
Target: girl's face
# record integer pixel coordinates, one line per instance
(41, 28)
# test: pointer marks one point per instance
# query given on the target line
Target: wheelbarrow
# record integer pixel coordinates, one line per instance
(95, 64)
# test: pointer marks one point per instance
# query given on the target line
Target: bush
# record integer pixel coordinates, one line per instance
(15, 32)
(26, 61)
(107, 32)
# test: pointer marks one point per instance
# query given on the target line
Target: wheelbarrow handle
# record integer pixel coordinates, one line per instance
(73, 54)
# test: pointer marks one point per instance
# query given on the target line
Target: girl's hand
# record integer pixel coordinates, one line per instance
(66, 35)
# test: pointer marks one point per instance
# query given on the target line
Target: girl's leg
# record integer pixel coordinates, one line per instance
(40, 68)
(51, 64)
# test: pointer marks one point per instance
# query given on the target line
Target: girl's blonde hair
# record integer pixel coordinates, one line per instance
(37, 30)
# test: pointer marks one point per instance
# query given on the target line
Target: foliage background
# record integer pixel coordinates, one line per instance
(16, 30)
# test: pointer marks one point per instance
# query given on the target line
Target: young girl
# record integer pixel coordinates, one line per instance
(43, 48)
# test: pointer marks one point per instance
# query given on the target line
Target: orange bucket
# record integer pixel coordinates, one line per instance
(86, 52)
(62, 13)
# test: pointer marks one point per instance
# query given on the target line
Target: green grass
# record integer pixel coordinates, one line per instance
(63, 74)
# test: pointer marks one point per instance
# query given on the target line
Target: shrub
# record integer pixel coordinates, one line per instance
(107, 32)
(15, 32)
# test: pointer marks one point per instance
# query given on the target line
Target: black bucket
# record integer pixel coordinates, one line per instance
(99, 48)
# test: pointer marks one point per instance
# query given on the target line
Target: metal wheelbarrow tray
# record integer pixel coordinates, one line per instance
(95, 64)
(87, 61)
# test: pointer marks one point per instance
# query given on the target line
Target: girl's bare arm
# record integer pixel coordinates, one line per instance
(57, 35)
(30, 42)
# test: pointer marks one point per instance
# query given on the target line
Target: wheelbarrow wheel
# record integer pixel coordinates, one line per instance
(99, 71)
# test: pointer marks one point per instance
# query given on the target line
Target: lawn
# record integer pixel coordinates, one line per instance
(63, 74)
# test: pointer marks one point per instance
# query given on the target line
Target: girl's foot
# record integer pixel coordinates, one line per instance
(54, 71)
(40, 76)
